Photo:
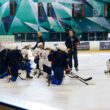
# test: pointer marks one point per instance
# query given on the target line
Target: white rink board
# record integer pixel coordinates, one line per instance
(93, 45)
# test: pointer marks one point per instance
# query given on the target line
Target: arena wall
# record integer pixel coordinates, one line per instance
(83, 45)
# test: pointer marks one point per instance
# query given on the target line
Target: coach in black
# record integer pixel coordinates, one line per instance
(71, 44)
(40, 39)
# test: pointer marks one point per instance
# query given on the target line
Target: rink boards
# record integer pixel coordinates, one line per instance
(83, 45)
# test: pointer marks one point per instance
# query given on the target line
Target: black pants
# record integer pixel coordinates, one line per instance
(74, 55)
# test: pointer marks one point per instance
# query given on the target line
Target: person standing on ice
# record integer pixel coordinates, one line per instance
(39, 40)
(71, 44)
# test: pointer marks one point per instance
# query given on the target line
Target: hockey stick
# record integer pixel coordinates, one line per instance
(76, 76)
(91, 83)
(3, 74)
(21, 77)
(9, 79)
(84, 81)
(81, 79)
(87, 79)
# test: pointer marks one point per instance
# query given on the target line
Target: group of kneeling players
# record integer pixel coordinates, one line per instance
(49, 59)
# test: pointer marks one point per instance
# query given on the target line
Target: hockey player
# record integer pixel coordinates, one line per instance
(3, 62)
(24, 52)
(38, 53)
(108, 66)
(14, 62)
(59, 59)
(47, 65)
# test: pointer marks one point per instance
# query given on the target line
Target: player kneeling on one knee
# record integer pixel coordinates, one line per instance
(59, 59)
(26, 61)
(3, 63)
(17, 62)
(38, 53)
(47, 66)
(14, 58)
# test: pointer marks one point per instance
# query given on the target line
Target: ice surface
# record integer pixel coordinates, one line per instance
(71, 95)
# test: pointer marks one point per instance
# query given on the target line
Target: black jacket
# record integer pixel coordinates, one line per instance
(40, 39)
(70, 42)
(3, 56)
(60, 59)
(14, 56)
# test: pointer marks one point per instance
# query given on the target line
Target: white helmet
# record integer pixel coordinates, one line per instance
(9, 47)
(61, 47)
(39, 44)
(13, 47)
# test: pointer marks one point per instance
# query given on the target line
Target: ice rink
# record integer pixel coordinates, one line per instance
(71, 95)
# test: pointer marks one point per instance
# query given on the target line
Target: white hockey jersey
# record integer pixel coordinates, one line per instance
(24, 52)
(43, 57)
(46, 61)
